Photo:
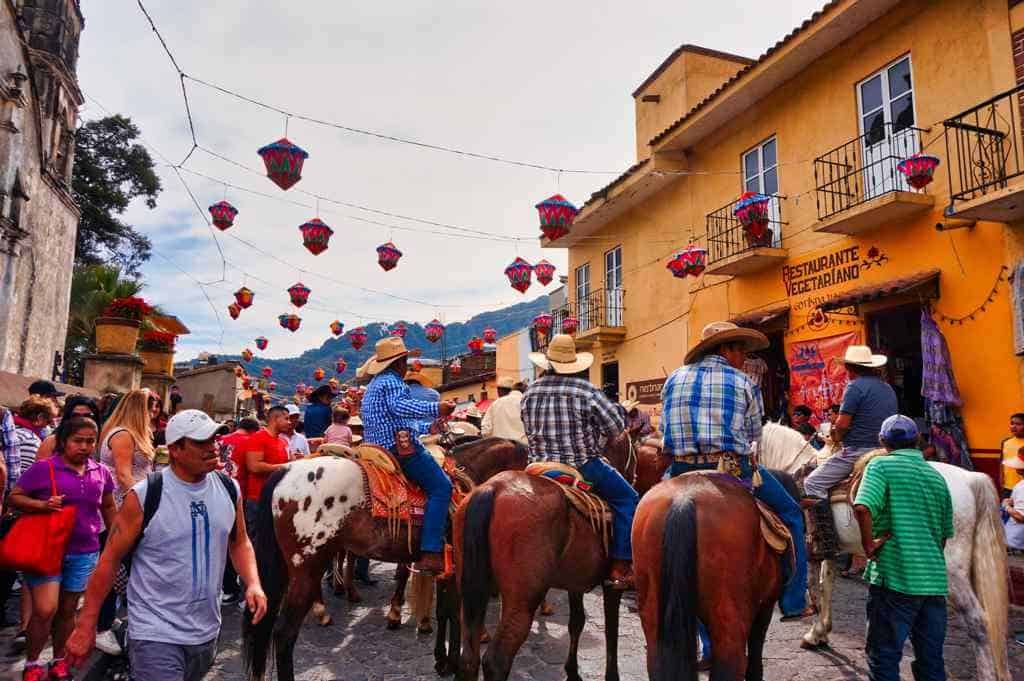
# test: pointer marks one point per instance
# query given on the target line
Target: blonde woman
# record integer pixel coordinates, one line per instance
(126, 443)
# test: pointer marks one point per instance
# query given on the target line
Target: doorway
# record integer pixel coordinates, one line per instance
(896, 333)
(610, 380)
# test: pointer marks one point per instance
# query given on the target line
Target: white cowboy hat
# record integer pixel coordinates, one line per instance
(506, 382)
(630, 405)
(562, 357)
(388, 350)
(861, 356)
(719, 333)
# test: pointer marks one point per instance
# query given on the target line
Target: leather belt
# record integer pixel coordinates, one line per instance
(713, 457)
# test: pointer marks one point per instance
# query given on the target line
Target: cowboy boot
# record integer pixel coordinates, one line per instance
(431, 563)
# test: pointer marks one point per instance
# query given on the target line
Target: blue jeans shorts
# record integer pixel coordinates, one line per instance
(74, 574)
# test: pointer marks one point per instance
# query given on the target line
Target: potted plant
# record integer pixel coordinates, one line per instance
(117, 330)
(157, 351)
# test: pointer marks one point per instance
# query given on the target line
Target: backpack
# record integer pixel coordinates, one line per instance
(155, 490)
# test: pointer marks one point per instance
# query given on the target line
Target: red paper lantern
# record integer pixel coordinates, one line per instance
(223, 214)
(542, 323)
(919, 169)
(519, 273)
(271, 386)
(752, 212)
(455, 368)
(283, 161)
(387, 256)
(545, 272)
(399, 329)
(239, 371)
(299, 294)
(244, 297)
(247, 355)
(246, 383)
(434, 330)
(476, 345)
(490, 335)
(357, 337)
(267, 372)
(289, 321)
(340, 365)
(234, 309)
(570, 324)
(417, 365)
(318, 374)
(262, 343)
(691, 261)
(556, 216)
(337, 328)
(315, 235)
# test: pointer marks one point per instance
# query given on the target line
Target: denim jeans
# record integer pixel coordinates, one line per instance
(680, 467)
(622, 499)
(892, 617)
(421, 468)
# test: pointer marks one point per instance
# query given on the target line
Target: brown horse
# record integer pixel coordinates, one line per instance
(689, 534)
(639, 461)
(311, 510)
(517, 533)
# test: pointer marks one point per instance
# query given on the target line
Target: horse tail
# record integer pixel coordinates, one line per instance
(989, 570)
(677, 605)
(256, 638)
(476, 584)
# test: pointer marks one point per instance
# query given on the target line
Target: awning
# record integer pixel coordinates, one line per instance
(168, 324)
(761, 317)
(925, 284)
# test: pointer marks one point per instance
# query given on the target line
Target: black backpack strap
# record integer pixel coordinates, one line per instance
(232, 491)
(154, 490)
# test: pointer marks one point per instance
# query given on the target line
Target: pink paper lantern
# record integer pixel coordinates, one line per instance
(337, 328)
(247, 355)
(556, 216)
(267, 372)
(490, 335)
(570, 324)
(519, 273)
(545, 272)
(262, 343)
(315, 235)
(919, 169)
(283, 161)
(357, 337)
(542, 323)
(299, 294)
(244, 297)
(234, 309)
(433, 330)
(752, 212)
(388, 256)
(399, 329)
(689, 262)
(340, 365)
(476, 345)
(289, 321)
(223, 214)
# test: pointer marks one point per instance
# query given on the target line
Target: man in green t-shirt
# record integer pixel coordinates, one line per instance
(905, 515)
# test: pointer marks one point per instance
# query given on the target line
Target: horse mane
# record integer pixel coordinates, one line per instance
(862, 462)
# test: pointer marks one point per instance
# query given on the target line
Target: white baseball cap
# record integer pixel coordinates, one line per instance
(293, 410)
(193, 424)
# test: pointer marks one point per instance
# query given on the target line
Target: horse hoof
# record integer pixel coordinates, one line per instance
(354, 598)
(442, 669)
(425, 628)
(325, 621)
(807, 645)
(394, 625)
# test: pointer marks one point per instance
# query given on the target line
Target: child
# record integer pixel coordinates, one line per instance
(1014, 507)
(338, 433)
(1010, 447)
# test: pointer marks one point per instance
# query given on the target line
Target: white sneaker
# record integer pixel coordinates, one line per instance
(106, 642)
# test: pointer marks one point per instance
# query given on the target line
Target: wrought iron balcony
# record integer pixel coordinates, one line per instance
(732, 250)
(600, 316)
(983, 148)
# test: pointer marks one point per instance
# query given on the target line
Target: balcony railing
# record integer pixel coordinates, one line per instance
(727, 237)
(864, 168)
(600, 308)
(983, 146)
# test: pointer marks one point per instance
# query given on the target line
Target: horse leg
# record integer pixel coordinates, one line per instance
(298, 599)
(612, 601)
(577, 618)
(730, 634)
(755, 644)
(817, 636)
(320, 614)
(422, 598)
(398, 600)
(514, 627)
(351, 592)
(961, 593)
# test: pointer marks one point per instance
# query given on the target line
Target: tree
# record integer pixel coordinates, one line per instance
(111, 169)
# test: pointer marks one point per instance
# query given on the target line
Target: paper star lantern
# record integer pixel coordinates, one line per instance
(519, 273)
(299, 294)
(283, 161)
(223, 214)
(556, 216)
(315, 235)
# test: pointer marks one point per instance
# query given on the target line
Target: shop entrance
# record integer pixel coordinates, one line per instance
(610, 380)
(770, 371)
(896, 332)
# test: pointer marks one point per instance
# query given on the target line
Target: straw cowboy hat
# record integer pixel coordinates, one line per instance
(419, 377)
(1015, 463)
(720, 333)
(562, 357)
(361, 371)
(506, 382)
(861, 355)
(388, 350)
(630, 405)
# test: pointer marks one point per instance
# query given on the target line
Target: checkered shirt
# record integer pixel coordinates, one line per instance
(710, 407)
(387, 406)
(12, 451)
(568, 420)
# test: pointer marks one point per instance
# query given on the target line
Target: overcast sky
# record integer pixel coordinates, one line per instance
(543, 82)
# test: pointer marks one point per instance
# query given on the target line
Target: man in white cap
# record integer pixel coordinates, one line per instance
(712, 410)
(568, 420)
(392, 419)
(503, 418)
(179, 525)
(298, 445)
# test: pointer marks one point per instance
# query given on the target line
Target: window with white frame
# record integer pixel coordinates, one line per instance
(583, 296)
(760, 169)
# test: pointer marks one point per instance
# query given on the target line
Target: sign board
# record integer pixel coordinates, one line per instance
(645, 392)
(817, 376)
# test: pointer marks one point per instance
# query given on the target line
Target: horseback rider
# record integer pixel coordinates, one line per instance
(393, 419)
(712, 411)
(568, 421)
(867, 402)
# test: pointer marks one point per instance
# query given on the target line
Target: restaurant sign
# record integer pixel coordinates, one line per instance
(808, 280)
(645, 392)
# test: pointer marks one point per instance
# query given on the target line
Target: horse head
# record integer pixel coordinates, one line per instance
(784, 449)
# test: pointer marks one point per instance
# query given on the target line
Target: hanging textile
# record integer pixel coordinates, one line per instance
(1017, 291)
(942, 396)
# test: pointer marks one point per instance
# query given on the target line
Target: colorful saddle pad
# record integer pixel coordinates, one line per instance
(579, 494)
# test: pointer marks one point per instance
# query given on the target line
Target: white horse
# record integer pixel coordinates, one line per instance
(975, 556)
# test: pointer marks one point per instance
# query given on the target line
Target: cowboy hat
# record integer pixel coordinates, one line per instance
(361, 371)
(320, 390)
(355, 420)
(630, 405)
(720, 333)
(506, 382)
(419, 377)
(388, 350)
(1015, 463)
(861, 356)
(562, 357)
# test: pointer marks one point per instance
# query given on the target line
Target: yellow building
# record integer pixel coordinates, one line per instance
(819, 123)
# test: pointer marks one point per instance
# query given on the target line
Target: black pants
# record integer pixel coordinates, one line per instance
(892, 618)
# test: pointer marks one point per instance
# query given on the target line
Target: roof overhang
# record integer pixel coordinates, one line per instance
(923, 284)
(764, 317)
(837, 22)
(168, 324)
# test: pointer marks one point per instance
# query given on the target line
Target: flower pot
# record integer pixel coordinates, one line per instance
(117, 335)
(157, 362)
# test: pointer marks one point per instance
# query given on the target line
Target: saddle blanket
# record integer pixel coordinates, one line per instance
(578, 493)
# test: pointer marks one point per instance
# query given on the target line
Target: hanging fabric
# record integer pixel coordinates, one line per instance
(942, 396)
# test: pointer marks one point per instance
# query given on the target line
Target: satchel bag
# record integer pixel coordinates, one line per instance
(37, 541)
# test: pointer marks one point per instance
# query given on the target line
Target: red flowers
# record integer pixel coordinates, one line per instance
(158, 341)
(127, 308)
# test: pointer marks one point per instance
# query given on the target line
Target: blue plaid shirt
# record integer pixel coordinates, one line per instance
(568, 420)
(709, 407)
(12, 452)
(388, 406)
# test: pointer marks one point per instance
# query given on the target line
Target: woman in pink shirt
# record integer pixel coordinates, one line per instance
(338, 433)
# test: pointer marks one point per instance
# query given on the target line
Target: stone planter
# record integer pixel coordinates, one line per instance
(115, 335)
(157, 362)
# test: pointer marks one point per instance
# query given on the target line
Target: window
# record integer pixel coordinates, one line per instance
(613, 286)
(583, 296)
(760, 169)
(885, 103)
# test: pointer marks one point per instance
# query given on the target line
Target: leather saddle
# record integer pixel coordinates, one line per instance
(578, 493)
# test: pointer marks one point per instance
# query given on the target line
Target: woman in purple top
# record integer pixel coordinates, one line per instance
(88, 486)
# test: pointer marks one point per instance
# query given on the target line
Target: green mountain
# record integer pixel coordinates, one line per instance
(294, 370)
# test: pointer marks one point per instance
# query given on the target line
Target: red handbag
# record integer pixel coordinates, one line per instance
(36, 542)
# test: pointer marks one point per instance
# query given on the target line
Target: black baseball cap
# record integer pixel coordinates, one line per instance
(44, 388)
